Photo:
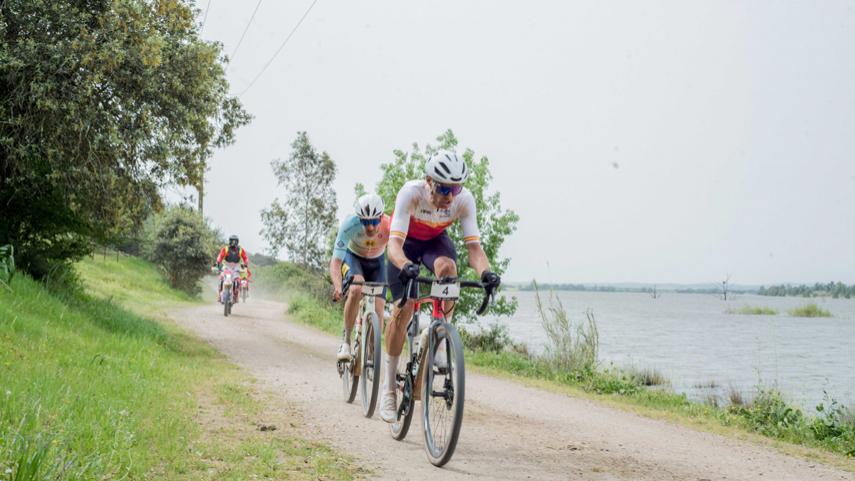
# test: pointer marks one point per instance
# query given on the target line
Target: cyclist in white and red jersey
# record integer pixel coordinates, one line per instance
(423, 211)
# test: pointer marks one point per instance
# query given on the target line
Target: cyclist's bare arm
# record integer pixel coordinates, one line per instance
(477, 257)
(335, 273)
(395, 251)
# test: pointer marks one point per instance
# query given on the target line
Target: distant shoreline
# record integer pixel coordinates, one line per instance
(832, 289)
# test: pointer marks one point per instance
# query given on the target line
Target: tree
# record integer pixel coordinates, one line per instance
(494, 222)
(181, 245)
(301, 223)
(724, 287)
(104, 103)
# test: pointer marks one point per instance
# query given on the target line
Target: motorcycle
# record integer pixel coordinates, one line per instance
(230, 292)
(244, 285)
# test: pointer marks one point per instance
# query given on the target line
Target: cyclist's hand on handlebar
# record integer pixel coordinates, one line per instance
(409, 272)
(491, 280)
(243, 266)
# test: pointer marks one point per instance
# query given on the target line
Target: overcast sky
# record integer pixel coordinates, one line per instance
(638, 141)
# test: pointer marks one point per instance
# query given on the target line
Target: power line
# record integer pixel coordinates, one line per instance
(245, 30)
(205, 18)
(285, 42)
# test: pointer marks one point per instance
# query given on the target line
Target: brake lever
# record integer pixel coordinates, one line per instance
(406, 295)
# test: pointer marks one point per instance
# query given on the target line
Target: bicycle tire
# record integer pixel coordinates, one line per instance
(403, 389)
(350, 381)
(227, 297)
(371, 359)
(442, 433)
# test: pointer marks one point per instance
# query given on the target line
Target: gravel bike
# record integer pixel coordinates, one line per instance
(441, 388)
(362, 372)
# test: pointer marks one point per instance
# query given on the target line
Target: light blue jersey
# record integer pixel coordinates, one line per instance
(351, 236)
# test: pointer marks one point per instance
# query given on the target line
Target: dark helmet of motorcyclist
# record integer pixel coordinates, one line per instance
(233, 240)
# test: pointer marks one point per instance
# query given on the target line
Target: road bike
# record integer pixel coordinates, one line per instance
(362, 372)
(441, 389)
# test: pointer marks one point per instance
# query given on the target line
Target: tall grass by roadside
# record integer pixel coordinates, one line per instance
(572, 347)
(91, 390)
(752, 311)
(809, 310)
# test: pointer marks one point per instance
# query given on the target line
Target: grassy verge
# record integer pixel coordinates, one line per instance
(826, 436)
(90, 389)
(809, 310)
(753, 311)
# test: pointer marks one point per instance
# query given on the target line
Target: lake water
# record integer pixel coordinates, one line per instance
(692, 341)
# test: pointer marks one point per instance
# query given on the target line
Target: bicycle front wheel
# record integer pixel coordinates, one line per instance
(443, 395)
(349, 379)
(369, 381)
(404, 393)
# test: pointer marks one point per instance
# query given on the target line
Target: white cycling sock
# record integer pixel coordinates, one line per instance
(391, 369)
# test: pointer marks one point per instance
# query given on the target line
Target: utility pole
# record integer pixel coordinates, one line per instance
(200, 189)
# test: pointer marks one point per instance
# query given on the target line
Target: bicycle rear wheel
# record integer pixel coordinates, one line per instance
(404, 393)
(443, 396)
(369, 381)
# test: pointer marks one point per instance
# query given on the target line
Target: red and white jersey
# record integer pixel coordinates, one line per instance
(416, 216)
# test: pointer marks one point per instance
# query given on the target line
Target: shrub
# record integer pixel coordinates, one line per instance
(769, 414)
(809, 310)
(493, 339)
(734, 395)
(647, 377)
(753, 311)
(181, 247)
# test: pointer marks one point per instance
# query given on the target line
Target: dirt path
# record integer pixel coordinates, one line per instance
(509, 431)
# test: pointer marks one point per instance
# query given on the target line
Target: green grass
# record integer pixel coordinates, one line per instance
(809, 310)
(753, 311)
(90, 389)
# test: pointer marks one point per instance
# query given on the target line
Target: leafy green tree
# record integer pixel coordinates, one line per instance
(495, 223)
(103, 104)
(181, 245)
(302, 222)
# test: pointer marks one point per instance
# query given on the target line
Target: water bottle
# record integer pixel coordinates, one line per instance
(422, 324)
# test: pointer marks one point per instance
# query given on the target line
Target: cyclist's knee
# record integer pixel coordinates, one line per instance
(445, 266)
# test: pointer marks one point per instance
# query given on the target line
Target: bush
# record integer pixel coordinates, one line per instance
(181, 246)
(770, 415)
(493, 339)
(647, 377)
(753, 311)
(809, 310)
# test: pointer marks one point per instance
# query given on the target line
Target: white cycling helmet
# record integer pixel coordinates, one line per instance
(369, 206)
(446, 167)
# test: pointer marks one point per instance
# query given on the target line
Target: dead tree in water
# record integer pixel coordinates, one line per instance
(724, 285)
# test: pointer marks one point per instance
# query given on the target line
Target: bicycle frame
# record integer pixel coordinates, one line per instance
(415, 367)
(370, 291)
(437, 317)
